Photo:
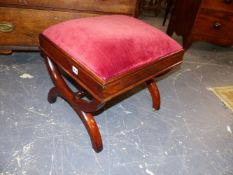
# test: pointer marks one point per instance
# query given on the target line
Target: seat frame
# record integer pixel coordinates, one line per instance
(101, 90)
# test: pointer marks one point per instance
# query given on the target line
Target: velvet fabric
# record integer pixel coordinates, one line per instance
(111, 45)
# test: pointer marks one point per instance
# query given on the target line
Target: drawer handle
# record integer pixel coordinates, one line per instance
(6, 27)
(228, 1)
(217, 25)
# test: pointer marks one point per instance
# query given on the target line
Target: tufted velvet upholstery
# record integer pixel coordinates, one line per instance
(111, 45)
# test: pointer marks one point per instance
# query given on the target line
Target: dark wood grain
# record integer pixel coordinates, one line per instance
(203, 20)
(214, 26)
(182, 19)
(222, 5)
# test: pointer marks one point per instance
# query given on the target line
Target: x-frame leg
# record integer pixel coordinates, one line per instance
(82, 107)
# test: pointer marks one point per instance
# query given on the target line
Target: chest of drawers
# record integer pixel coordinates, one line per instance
(203, 20)
(22, 20)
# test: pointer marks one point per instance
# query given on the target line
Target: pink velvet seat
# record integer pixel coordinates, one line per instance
(111, 45)
(106, 56)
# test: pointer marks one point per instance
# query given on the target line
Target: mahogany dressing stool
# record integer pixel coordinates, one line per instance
(107, 56)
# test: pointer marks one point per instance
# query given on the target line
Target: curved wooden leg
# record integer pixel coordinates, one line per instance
(52, 95)
(81, 107)
(154, 91)
(92, 129)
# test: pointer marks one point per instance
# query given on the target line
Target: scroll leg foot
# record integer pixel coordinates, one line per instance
(52, 95)
(154, 91)
(93, 130)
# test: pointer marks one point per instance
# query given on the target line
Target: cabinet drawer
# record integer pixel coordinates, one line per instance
(26, 24)
(225, 5)
(111, 6)
(214, 25)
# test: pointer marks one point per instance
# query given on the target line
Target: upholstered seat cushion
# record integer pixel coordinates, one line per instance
(110, 46)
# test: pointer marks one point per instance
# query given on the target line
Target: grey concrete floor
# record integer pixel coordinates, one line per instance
(190, 134)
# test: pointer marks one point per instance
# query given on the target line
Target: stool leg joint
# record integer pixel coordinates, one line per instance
(81, 94)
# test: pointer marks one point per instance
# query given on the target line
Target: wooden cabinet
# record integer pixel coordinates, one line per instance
(22, 20)
(203, 20)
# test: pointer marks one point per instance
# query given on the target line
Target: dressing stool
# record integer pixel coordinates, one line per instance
(107, 56)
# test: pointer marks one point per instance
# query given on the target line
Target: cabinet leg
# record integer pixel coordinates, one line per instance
(186, 43)
(170, 30)
(6, 52)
